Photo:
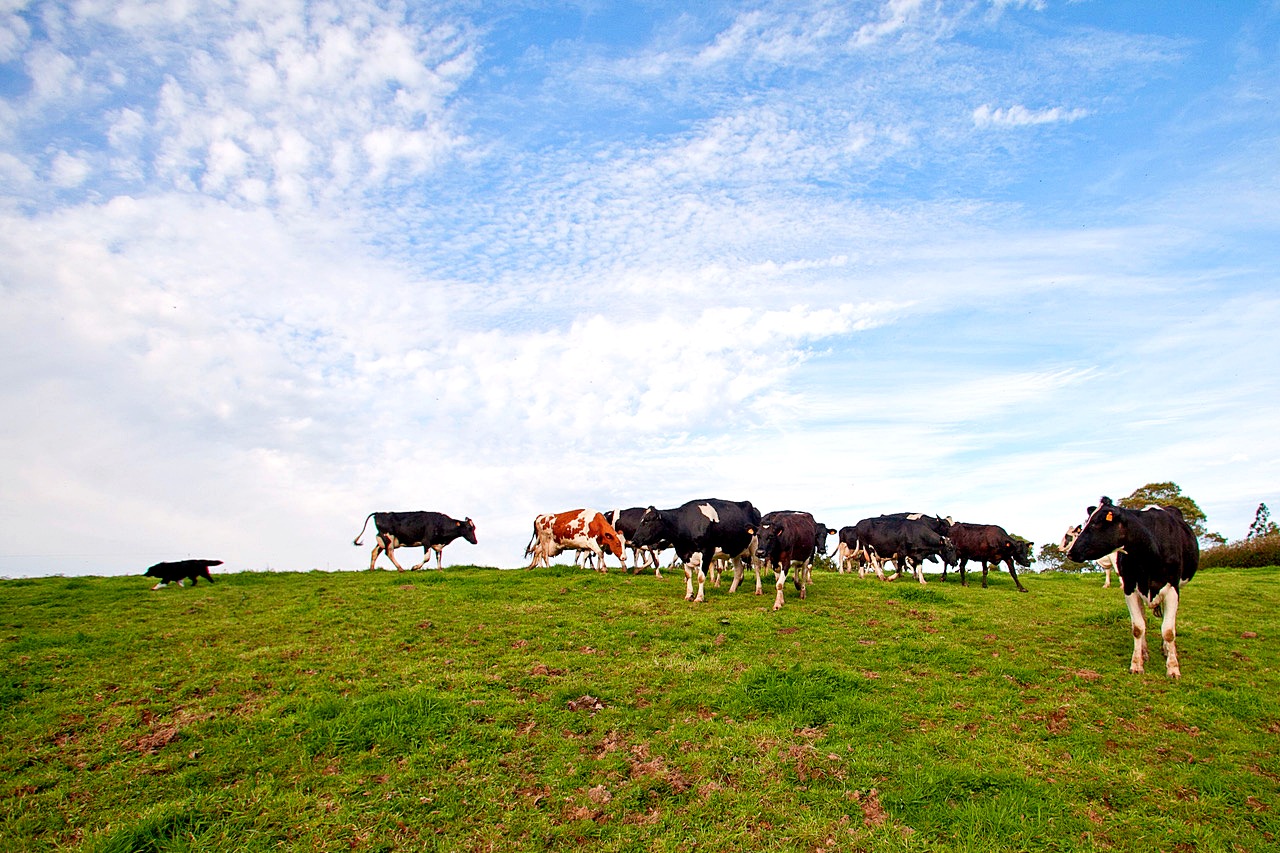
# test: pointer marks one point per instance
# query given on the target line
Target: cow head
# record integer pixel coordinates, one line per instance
(766, 539)
(1069, 538)
(1022, 552)
(654, 528)
(467, 529)
(947, 551)
(1103, 533)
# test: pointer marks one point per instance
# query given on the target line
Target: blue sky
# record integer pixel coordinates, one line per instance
(268, 267)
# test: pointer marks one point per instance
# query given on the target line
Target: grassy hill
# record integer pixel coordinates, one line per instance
(482, 710)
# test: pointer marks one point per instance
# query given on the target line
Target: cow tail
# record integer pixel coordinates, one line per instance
(356, 541)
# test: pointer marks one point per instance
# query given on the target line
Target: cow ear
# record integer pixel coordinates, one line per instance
(1091, 510)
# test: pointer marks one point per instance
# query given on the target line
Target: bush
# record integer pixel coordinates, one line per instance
(1245, 554)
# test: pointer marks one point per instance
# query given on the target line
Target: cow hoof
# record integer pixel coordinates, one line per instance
(1022, 589)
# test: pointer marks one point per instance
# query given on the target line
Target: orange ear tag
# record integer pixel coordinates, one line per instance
(1109, 516)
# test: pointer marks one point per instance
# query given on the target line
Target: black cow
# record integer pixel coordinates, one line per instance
(1156, 552)
(430, 530)
(193, 570)
(626, 522)
(904, 541)
(989, 543)
(785, 538)
(695, 529)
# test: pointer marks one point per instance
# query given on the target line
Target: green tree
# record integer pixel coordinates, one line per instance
(1170, 494)
(1262, 524)
(1054, 559)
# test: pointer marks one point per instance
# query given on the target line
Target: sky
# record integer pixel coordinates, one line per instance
(268, 267)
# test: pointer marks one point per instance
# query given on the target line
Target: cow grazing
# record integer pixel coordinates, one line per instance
(786, 538)
(626, 522)
(1156, 553)
(696, 529)
(580, 529)
(429, 530)
(1107, 563)
(907, 542)
(989, 543)
(176, 571)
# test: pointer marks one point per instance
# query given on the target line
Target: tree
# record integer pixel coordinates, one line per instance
(1262, 524)
(1170, 494)
(1054, 559)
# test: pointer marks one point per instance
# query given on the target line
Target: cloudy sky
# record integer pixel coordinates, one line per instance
(266, 267)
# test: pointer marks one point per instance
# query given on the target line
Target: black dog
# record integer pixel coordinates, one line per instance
(176, 571)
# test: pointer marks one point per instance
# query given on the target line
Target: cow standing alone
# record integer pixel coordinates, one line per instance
(193, 570)
(430, 530)
(1156, 553)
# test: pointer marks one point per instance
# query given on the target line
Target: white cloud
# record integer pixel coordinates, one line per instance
(1019, 116)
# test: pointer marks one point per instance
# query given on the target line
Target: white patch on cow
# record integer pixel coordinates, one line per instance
(710, 512)
(915, 516)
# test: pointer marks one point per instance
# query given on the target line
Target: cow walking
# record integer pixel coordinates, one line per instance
(429, 530)
(1156, 552)
(576, 529)
(785, 538)
(989, 543)
(192, 570)
(696, 529)
(626, 522)
(907, 542)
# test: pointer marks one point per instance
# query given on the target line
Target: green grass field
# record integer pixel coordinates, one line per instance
(482, 710)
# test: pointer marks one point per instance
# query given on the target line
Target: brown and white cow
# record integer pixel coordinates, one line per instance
(580, 529)
(1108, 563)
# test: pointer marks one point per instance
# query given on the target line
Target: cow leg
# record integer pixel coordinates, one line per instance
(1139, 622)
(1013, 573)
(377, 549)
(918, 568)
(426, 555)
(439, 549)
(781, 573)
(985, 567)
(157, 586)
(755, 568)
(964, 564)
(1106, 584)
(1168, 631)
(389, 546)
(696, 563)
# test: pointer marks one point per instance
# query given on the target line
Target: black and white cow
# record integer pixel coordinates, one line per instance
(696, 529)
(785, 538)
(626, 522)
(193, 570)
(430, 530)
(1107, 563)
(903, 541)
(1156, 553)
(989, 543)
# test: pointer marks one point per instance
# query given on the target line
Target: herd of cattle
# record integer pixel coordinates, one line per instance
(1153, 550)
